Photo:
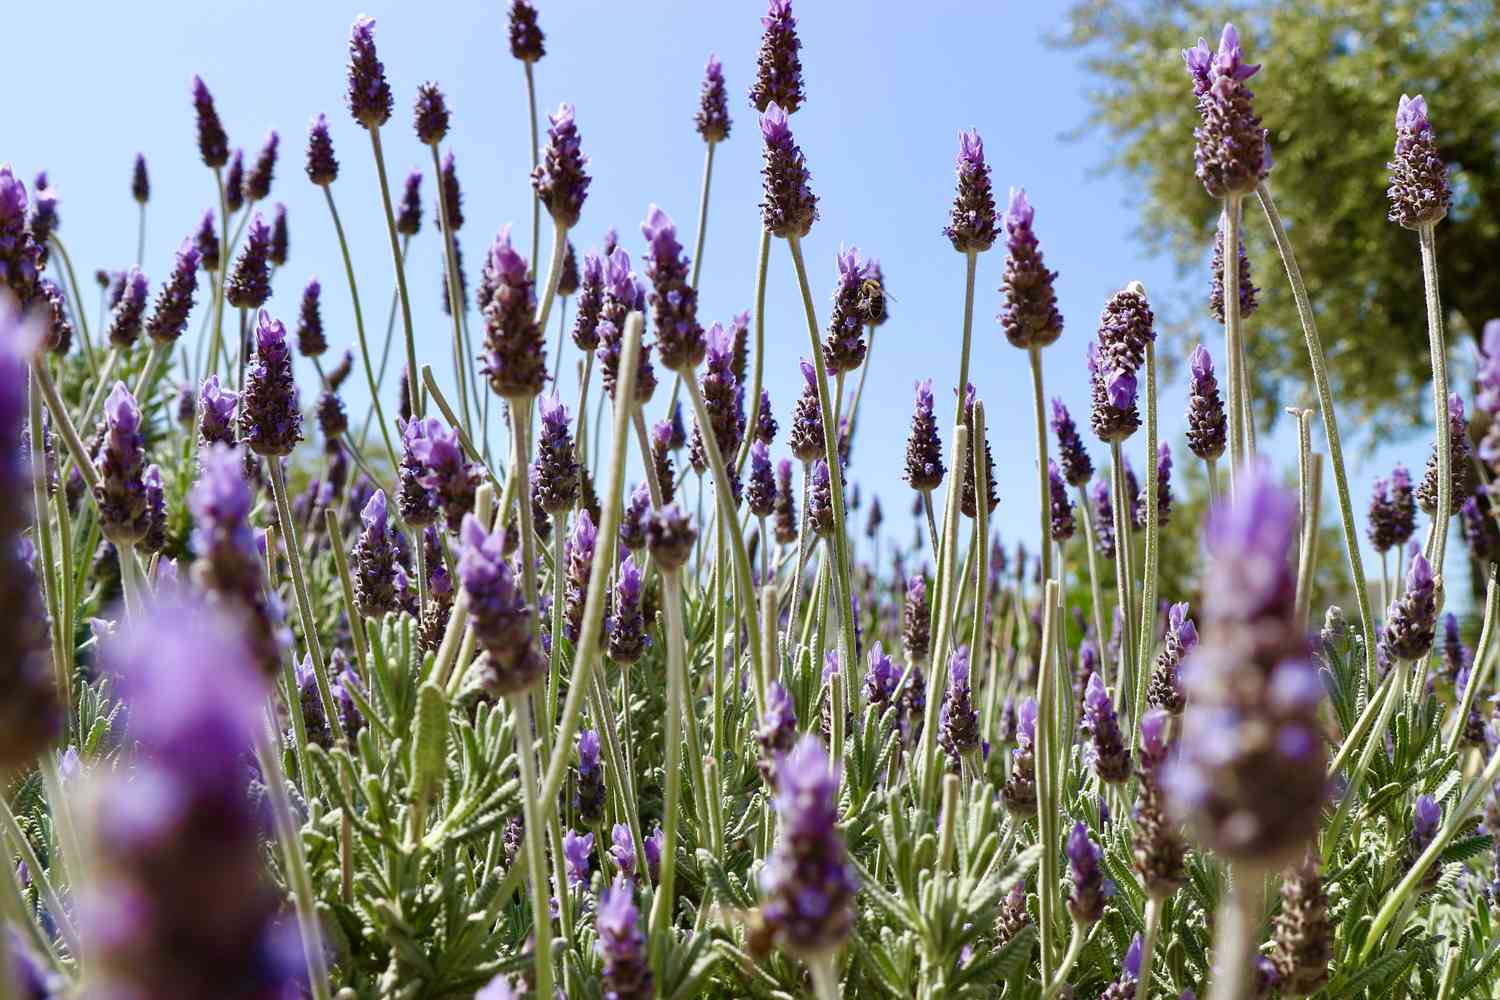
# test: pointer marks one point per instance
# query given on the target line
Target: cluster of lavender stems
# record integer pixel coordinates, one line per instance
(543, 600)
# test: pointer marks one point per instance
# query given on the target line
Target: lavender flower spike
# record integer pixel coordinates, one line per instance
(789, 207)
(622, 945)
(502, 621)
(1249, 300)
(125, 320)
(270, 417)
(628, 640)
(375, 561)
(1063, 523)
(1077, 467)
(175, 300)
(409, 216)
(140, 182)
(778, 65)
(526, 38)
(844, 345)
(1206, 423)
(556, 470)
(712, 119)
(1419, 191)
(515, 355)
(369, 95)
(249, 283)
(1090, 889)
(971, 228)
(807, 884)
(559, 179)
(1111, 758)
(121, 494)
(322, 166)
(1030, 317)
(957, 717)
(430, 117)
(1411, 622)
(1231, 151)
(213, 144)
(674, 304)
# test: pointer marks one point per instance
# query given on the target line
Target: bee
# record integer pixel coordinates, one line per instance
(872, 301)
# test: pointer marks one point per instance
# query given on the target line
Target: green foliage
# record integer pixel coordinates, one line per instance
(1333, 70)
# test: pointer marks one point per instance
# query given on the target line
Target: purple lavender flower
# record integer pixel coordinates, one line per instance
(778, 730)
(808, 884)
(206, 238)
(669, 537)
(270, 419)
(502, 621)
(1090, 889)
(234, 183)
(655, 843)
(121, 494)
(1114, 416)
(674, 303)
(916, 620)
(1158, 850)
(1303, 934)
(125, 320)
(525, 37)
(633, 519)
(249, 283)
(712, 119)
(175, 300)
(578, 556)
(844, 344)
(1030, 317)
(1461, 463)
(622, 945)
(1205, 414)
(280, 243)
(882, 677)
(409, 216)
(785, 507)
(1248, 292)
(322, 166)
(451, 194)
(1063, 524)
(1419, 191)
(311, 342)
(924, 450)
(1104, 518)
(1107, 750)
(778, 66)
(155, 538)
(578, 851)
(559, 179)
(1480, 529)
(1126, 327)
(515, 355)
(257, 184)
(555, 469)
(1250, 775)
(196, 835)
(762, 489)
(820, 499)
(1077, 467)
(1019, 790)
(789, 207)
(588, 780)
(375, 561)
(430, 116)
(957, 717)
(1231, 155)
(968, 499)
(971, 227)
(140, 182)
(59, 335)
(43, 220)
(622, 850)
(1165, 689)
(218, 407)
(369, 95)
(1404, 506)
(1163, 490)
(213, 144)
(20, 256)
(590, 303)
(765, 421)
(627, 627)
(1411, 621)
(1426, 817)
(418, 504)
(807, 418)
(447, 475)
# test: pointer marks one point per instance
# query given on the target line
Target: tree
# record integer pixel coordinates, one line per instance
(1333, 70)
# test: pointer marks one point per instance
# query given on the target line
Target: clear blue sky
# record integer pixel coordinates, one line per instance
(886, 94)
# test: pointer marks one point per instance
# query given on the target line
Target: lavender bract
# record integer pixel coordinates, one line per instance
(559, 180)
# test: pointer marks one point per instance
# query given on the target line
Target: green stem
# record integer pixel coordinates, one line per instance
(1047, 816)
(79, 312)
(359, 328)
(1231, 283)
(1153, 534)
(825, 977)
(535, 809)
(1096, 593)
(708, 175)
(1439, 349)
(757, 371)
(1238, 925)
(661, 910)
(1121, 503)
(1076, 939)
(418, 403)
(456, 304)
(536, 201)
(1154, 906)
(1480, 672)
(1330, 421)
(554, 273)
(1035, 354)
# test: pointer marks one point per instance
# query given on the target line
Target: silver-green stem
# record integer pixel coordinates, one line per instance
(418, 402)
(359, 327)
(305, 612)
(1147, 633)
(79, 312)
(1154, 907)
(1330, 421)
(456, 305)
(1236, 939)
(661, 910)
(1047, 782)
(1439, 349)
(708, 175)
(825, 976)
(1391, 698)
(554, 274)
(1231, 283)
(1096, 593)
(1059, 983)
(1121, 504)
(1041, 454)
(971, 260)
(757, 370)
(943, 601)
(1307, 563)
(536, 201)
(534, 810)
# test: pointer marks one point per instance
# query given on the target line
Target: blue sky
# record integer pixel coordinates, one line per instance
(886, 96)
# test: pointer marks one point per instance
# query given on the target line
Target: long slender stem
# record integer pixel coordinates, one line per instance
(971, 261)
(825, 977)
(1153, 533)
(1479, 674)
(1439, 349)
(831, 450)
(1231, 283)
(1047, 817)
(1121, 503)
(418, 402)
(943, 601)
(79, 312)
(1035, 354)
(216, 345)
(305, 611)
(1330, 421)
(534, 809)
(456, 304)
(1154, 907)
(757, 371)
(42, 534)
(554, 273)
(708, 176)
(359, 327)
(1236, 937)
(1076, 939)
(1096, 593)
(536, 201)
(661, 916)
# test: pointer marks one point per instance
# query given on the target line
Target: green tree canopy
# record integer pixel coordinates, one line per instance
(1333, 70)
